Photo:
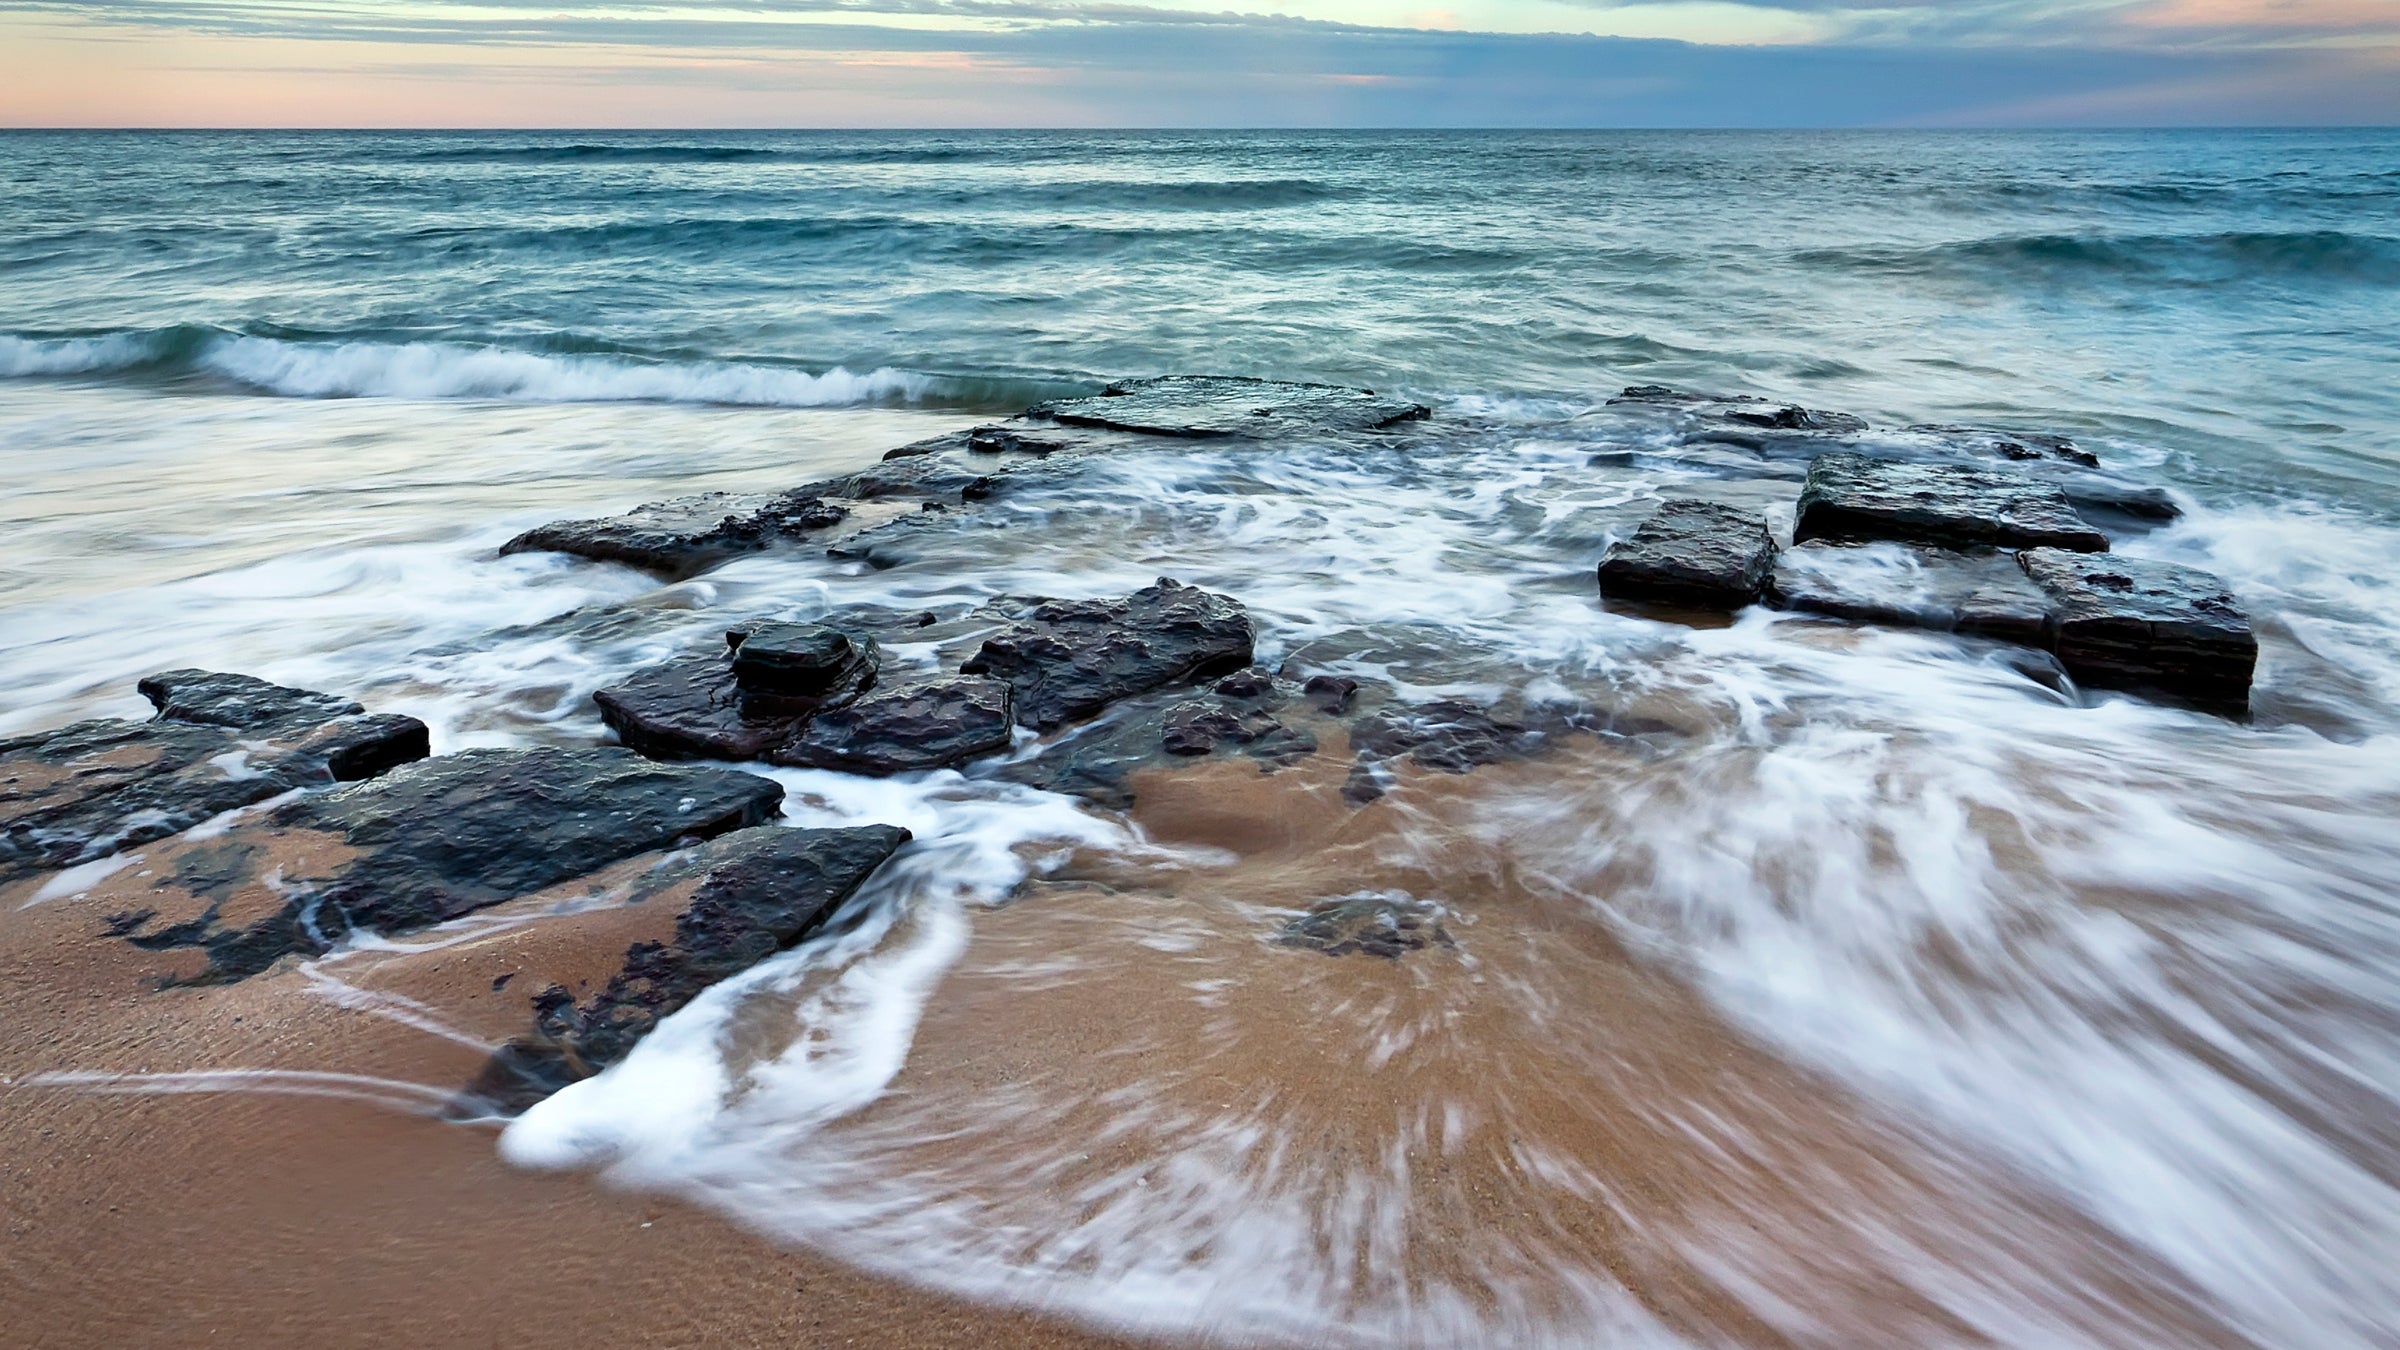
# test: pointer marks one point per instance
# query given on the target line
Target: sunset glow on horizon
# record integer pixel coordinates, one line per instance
(206, 63)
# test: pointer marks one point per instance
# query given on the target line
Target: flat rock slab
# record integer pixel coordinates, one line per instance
(1702, 554)
(425, 843)
(1981, 593)
(685, 535)
(219, 742)
(2136, 624)
(735, 902)
(1068, 659)
(1860, 497)
(1222, 405)
(1740, 410)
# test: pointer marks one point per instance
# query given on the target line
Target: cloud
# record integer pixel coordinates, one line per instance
(1073, 62)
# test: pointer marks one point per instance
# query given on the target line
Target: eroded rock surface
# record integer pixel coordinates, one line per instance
(2137, 624)
(1446, 735)
(1689, 552)
(1981, 593)
(219, 742)
(1220, 405)
(923, 724)
(679, 537)
(428, 842)
(759, 892)
(1068, 659)
(744, 702)
(1860, 498)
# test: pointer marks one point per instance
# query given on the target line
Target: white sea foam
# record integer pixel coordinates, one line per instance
(451, 370)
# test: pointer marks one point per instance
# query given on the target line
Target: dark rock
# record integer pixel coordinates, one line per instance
(1982, 593)
(2139, 504)
(685, 535)
(1860, 497)
(1385, 924)
(1253, 682)
(2131, 623)
(691, 708)
(2020, 446)
(1330, 693)
(762, 892)
(808, 660)
(209, 698)
(1747, 410)
(446, 836)
(1069, 659)
(1696, 553)
(1218, 405)
(220, 742)
(925, 725)
(1004, 440)
(742, 704)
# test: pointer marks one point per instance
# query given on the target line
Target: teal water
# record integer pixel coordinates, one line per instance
(269, 402)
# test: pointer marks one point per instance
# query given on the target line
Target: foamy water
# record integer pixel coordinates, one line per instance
(1884, 995)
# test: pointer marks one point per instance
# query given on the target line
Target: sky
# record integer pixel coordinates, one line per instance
(1292, 63)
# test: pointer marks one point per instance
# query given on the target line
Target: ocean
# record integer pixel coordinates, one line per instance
(1909, 1001)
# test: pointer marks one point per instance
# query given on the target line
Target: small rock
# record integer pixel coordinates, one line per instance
(1860, 497)
(1330, 693)
(1378, 923)
(1702, 554)
(1980, 593)
(2136, 624)
(806, 660)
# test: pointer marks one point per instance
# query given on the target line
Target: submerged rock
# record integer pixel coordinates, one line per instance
(1703, 554)
(219, 742)
(1068, 659)
(928, 724)
(1223, 405)
(1981, 593)
(742, 703)
(1860, 497)
(2136, 624)
(760, 891)
(1378, 923)
(1446, 735)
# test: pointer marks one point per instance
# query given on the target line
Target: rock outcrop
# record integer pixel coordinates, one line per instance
(2154, 627)
(923, 724)
(1068, 659)
(758, 892)
(1700, 554)
(1859, 498)
(428, 842)
(219, 742)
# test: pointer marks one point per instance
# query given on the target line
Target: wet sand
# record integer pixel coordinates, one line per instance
(284, 1220)
(1529, 1128)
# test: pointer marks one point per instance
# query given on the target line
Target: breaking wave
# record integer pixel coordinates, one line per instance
(380, 368)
